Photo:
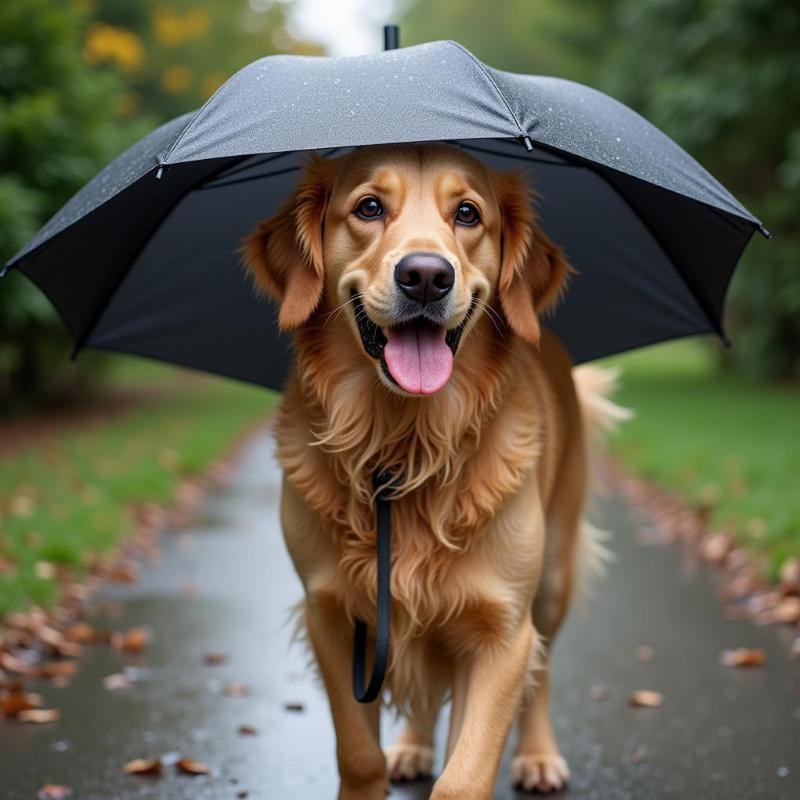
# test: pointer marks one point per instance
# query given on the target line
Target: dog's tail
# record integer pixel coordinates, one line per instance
(595, 387)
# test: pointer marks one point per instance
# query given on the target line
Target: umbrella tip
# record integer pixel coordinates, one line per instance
(764, 232)
(391, 37)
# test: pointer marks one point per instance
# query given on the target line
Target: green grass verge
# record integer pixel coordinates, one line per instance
(71, 497)
(719, 440)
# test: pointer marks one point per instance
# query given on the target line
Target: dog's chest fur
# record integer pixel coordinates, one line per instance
(460, 462)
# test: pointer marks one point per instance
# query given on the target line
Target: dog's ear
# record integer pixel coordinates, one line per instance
(283, 255)
(533, 270)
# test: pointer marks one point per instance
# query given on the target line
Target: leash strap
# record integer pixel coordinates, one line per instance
(384, 603)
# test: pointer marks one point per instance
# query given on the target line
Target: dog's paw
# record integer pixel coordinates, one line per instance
(539, 772)
(408, 762)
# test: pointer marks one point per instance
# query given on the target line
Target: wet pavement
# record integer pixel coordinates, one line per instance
(721, 732)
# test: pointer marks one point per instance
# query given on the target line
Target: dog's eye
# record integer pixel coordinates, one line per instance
(468, 215)
(369, 208)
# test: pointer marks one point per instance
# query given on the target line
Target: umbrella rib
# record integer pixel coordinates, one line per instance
(485, 70)
(242, 167)
(246, 179)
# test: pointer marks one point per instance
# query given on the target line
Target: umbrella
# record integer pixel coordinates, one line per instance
(144, 259)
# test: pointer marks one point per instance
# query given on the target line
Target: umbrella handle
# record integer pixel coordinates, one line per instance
(384, 602)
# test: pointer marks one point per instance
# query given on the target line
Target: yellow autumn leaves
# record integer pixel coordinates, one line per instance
(111, 44)
(172, 29)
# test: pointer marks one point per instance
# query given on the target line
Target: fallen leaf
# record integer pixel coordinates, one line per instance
(236, 690)
(242, 793)
(54, 791)
(39, 716)
(645, 698)
(45, 570)
(787, 610)
(743, 657)
(247, 730)
(15, 702)
(10, 663)
(143, 766)
(132, 641)
(715, 548)
(192, 767)
(644, 652)
(215, 658)
(116, 681)
(51, 670)
(598, 693)
(790, 574)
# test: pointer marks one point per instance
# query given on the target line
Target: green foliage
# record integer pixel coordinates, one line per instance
(175, 54)
(57, 127)
(722, 442)
(79, 81)
(99, 475)
(722, 77)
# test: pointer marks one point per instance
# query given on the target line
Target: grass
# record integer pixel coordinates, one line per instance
(72, 496)
(720, 441)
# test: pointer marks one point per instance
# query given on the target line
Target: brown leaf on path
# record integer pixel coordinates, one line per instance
(236, 690)
(743, 657)
(242, 793)
(247, 730)
(644, 652)
(143, 766)
(645, 698)
(54, 791)
(215, 658)
(787, 611)
(790, 575)
(83, 633)
(16, 701)
(39, 716)
(715, 548)
(132, 641)
(51, 670)
(10, 663)
(115, 681)
(191, 767)
(598, 693)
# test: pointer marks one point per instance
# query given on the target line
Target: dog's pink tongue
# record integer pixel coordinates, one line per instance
(418, 358)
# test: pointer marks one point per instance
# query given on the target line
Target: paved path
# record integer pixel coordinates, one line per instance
(721, 733)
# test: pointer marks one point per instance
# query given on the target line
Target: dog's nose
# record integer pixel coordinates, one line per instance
(424, 277)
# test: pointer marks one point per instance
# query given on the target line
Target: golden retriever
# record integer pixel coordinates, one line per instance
(414, 278)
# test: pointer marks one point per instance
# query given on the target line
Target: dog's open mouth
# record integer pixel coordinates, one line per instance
(416, 355)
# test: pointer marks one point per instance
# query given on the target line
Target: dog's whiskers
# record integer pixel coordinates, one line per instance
(492, 314)
(338, 309)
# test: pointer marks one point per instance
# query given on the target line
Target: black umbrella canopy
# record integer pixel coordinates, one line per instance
(144, 259)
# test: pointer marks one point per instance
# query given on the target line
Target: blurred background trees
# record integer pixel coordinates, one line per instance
(721, 77)
(80, 80)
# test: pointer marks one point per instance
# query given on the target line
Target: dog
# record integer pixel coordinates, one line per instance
(414, 279)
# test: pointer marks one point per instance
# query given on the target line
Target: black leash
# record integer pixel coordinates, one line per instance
(384, 602)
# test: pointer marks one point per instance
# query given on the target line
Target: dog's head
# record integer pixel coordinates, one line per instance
(412, 244)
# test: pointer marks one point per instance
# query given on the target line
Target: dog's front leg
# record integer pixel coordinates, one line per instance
(362, 766)
(486, 692)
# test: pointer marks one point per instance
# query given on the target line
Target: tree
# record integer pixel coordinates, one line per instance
(58, 125)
